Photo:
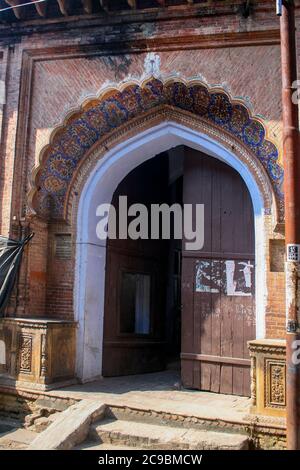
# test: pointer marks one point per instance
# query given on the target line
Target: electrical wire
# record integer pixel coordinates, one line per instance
(22, 5)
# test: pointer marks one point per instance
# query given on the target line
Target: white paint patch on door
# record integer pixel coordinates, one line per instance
(231, 283)
(247, 273)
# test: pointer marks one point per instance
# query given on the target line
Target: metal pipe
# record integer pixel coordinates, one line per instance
(291, 161)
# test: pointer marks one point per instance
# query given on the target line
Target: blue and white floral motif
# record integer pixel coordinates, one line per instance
(99, 117)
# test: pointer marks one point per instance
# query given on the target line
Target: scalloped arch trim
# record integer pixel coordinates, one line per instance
(100, 116)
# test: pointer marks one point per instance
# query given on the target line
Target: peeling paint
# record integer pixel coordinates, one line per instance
(293, 292)
(233, 278)
(208, 278)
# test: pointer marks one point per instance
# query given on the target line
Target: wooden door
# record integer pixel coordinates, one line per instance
(218, 292)
(133, 345)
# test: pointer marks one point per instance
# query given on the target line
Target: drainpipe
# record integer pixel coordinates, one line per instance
(291, 161)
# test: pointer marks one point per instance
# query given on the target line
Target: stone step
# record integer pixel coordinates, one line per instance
(92, 445)
(70, 428)
(155, 436)
(157, 416)
(17, 439)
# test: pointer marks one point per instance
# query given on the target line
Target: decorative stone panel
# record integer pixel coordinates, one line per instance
(25, 354)
(275, 383)
(41, 352)
(268, 377)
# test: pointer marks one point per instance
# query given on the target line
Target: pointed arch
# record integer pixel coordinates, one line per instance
(95, 184)
(102, 121)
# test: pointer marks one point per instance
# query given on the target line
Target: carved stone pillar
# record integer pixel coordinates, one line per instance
(268, 377)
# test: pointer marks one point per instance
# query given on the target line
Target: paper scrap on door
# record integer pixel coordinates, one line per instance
(233, 278)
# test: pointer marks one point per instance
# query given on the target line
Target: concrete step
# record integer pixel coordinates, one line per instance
(136, 434)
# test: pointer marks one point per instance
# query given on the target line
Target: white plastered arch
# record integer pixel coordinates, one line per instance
(91, 252)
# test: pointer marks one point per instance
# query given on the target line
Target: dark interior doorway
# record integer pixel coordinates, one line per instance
(166, 307)
(142, 321)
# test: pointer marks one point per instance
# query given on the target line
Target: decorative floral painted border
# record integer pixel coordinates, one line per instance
(100, 116)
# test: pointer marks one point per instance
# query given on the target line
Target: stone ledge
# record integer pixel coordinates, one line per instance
(36, 322)
(39, 353)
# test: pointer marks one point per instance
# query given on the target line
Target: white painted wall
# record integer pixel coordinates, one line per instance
(90, 253)
(2, 353)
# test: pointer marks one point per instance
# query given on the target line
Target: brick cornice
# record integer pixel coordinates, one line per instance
(205, 41)
(176, 13)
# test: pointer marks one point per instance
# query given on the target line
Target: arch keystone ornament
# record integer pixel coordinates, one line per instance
(103, 120)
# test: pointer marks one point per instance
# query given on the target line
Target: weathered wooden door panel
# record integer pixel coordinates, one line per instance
(218, 315)
(126, 351)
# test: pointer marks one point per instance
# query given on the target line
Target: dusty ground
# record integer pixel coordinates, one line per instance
(15, 438)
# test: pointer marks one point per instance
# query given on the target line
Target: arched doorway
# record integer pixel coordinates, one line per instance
(146, 323)
(107, 137)
(91, 254)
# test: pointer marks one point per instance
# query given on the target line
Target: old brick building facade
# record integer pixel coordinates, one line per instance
(123, 82)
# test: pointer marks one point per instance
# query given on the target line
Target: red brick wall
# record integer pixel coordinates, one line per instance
(8, 133)
(61, 76)
(275, 312)
(60, 278)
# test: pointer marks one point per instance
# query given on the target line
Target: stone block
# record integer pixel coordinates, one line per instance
(39, 352)
(268, 377)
